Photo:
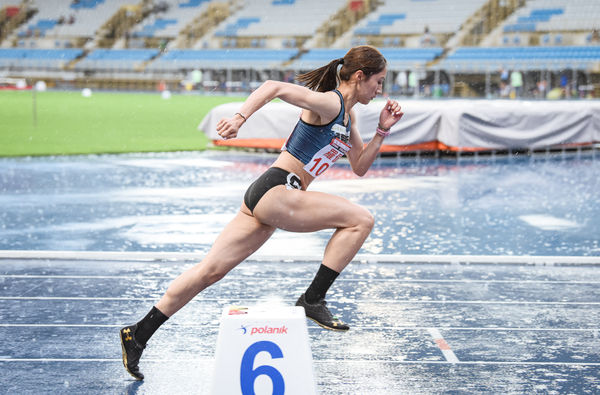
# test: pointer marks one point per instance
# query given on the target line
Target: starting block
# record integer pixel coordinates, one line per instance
(263, 350)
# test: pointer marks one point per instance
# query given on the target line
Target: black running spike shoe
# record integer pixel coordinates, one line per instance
(320, 314)
(132, 351)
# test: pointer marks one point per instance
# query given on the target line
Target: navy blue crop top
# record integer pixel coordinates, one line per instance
(318, 146)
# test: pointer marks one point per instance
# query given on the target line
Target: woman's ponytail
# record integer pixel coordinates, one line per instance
(324, 78)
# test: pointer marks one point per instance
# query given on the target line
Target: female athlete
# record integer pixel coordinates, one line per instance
(279, 198)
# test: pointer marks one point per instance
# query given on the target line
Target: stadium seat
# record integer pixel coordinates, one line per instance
(395, 17)
(116, 59)
(554, 16)
(37, 58)
(172, 21)
(556, 58)
(397, 58)
(258, 59)
(262, 18)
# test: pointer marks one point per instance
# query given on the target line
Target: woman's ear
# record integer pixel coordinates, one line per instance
(360, 75)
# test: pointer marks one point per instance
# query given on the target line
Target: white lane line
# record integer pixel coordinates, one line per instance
(316, 361)
(98, 360)
(443, 345)
(362, 301)
(259, 278)
(85, 277)
(356, 327)
(526, 363)
(369, 258)
(74, 298)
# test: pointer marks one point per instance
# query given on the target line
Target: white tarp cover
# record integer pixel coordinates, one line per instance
(461, 124)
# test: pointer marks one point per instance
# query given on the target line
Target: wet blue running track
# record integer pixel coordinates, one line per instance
(517, 205)
(480, 325)
(509, 329)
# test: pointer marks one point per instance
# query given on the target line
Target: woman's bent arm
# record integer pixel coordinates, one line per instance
(361, 157)
(326, 105)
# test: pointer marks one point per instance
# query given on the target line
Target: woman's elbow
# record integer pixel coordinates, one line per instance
(270, 85)
(360, 171)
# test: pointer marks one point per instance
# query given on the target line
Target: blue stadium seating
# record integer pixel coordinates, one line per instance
(528, 23)
(76, 5)
(116, 59)
(19, 53)
(231, 29)
(123, 54)
(192, 3)
(223, 59)
(374, 27)
(150, 30)
(37, 58)
(40, 27)
(522, 58)
(398, 58)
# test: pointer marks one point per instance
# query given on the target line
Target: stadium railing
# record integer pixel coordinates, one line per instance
(556, 58)
(116, 59)
(19, 58)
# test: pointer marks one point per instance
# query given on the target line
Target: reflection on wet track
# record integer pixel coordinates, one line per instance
(180, 202)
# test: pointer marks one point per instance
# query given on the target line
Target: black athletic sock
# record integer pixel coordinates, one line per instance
(321, 283)
(149, 324)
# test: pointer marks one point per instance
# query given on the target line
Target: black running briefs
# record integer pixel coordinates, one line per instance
(272, 177)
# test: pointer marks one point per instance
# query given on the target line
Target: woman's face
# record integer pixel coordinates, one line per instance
(372, 86)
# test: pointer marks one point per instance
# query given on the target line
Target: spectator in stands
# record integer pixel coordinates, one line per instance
(402, 82)
(504, 90)
(427, 39)
(564, 86)
(542, 87)
(595, 39)
(413, 83)
(163, 6)
(327, 130)
(162, 45)
(504, 75)
(516, 83)
(196, 77)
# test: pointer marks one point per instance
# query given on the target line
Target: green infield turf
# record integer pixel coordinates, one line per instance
(63, 123)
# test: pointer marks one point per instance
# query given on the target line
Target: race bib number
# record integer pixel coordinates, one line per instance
(341, 132)
(326, 157)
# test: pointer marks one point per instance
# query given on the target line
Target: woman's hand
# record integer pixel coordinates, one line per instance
(228, 128)
(390, 114)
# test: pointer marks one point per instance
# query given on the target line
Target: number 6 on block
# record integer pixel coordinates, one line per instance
(248, 373)
(263, 350)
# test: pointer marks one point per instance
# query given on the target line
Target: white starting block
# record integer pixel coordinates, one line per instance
(263, 350)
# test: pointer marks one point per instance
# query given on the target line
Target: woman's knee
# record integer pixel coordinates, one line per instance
(210, 273)
(215, 274)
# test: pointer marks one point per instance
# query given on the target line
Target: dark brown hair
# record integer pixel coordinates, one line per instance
(326, 78)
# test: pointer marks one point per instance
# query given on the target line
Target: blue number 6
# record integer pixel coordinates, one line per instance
(248, 374)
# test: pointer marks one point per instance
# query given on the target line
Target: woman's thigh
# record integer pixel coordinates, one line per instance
(308, 211)
(238, 240)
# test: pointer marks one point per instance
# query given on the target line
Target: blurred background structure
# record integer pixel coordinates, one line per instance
(435, 48)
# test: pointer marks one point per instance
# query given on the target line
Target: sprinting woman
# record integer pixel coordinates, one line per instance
(279, 198)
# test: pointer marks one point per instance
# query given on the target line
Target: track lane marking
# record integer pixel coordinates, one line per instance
(443, 345)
